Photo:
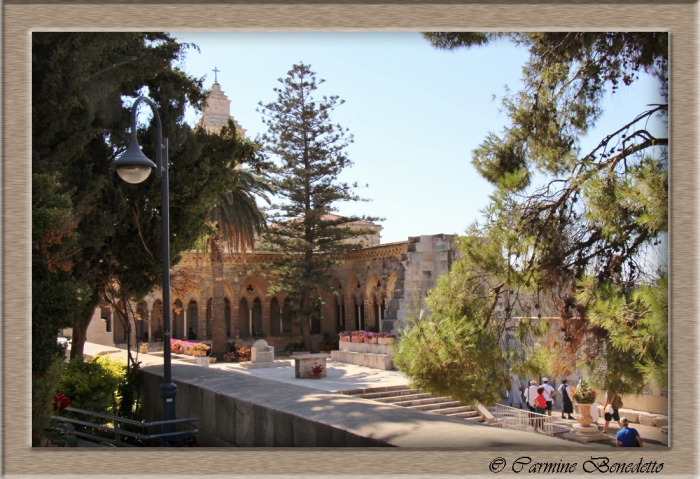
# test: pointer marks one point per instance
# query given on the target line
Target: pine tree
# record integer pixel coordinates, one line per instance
(304, 230)
(590, 225)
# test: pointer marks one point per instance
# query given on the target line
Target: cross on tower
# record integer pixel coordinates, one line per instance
(215, 72)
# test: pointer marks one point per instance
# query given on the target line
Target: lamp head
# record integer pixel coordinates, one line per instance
(133, 166)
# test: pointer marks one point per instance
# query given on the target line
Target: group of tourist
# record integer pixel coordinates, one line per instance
(540, 399)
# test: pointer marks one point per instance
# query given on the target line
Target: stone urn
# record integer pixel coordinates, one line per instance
(584, 415)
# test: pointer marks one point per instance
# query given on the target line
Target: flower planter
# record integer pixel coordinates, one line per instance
(371, 340)
(316, 376)
(212, 360)
(345, 339)
(386, 340)
(143, 349)
(243, 358)
(198, 354)
(584, 415)
(357, 339)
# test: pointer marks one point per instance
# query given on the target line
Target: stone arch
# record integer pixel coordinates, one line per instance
(252, 288)
(390, 286)
(157, 320)
(337, 306)
(142, 321)
(177, 320)
(192, 317)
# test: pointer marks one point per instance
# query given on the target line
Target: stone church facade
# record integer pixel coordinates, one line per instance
(377, 285)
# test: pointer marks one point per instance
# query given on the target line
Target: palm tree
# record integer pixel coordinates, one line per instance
(237, 219)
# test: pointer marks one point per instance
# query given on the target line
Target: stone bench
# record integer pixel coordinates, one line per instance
(303, 363)
(260, 352)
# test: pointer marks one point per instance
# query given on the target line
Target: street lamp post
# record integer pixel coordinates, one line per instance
(134, 167)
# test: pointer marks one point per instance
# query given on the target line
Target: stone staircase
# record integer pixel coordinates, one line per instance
(404, 396)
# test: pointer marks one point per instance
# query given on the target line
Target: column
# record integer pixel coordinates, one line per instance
(250, 321)
(149, 313)
(184, 321)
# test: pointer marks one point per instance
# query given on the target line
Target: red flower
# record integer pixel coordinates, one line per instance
(60, 401)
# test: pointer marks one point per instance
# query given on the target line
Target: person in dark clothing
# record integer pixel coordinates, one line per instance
(567, 407)
(191, 334)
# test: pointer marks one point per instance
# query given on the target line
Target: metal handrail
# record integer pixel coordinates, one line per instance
(523, 420)
(121, 432)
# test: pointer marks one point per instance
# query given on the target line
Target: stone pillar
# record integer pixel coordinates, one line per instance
(266, 306)
(202, 319)
(149, 314)
(185, 330)
(250, 321)
(350, 314)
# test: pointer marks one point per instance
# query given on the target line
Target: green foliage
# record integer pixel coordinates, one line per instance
(452, 356)
(56, 296)
(594, 222)
(93, 385)
(43, 389)
(83, 85)
(311, 156)
(637, 333)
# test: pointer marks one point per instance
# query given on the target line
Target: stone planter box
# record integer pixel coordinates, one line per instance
(385, 340)
(345, 339)
(358, 339)
(197, 354)
(371, 340)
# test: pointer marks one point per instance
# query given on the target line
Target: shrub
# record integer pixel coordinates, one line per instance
(43, 389)
(94, 384)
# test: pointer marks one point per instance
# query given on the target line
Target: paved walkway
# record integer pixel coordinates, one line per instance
(343, 376)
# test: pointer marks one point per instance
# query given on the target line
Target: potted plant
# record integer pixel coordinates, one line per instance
(386, 338)
(357, 336)
(186, 347)
(175, 346)
(243, 353)
(316, 371)
(370, 337)
(200, 349)
(584, 395)
(345, 336)
(143, 348)
(230, 357)
(158, 336)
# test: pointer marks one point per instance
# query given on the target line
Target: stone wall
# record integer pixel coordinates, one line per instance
(231, 419)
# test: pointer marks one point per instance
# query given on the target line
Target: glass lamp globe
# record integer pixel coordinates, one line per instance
(133, 166)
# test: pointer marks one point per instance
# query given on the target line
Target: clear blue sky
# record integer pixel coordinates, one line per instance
(416, 112)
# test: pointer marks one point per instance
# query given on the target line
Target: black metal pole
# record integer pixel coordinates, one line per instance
(168, 390)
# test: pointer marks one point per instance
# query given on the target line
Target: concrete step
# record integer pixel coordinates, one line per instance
(399, 400)
(415, 400)
(438, 405)
(454, 410)
(385, 394)
(375, 390)
(465, 414)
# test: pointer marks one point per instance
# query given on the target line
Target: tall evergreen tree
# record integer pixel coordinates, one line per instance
(561, 256)
(303, 228)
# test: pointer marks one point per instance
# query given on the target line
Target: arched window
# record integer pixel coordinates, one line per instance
(257, 317)
(227, 316)
(192, 318)
(275, 318)
(287, 317)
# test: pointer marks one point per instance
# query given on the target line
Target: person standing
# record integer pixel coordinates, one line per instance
(628, 436)
(540, 406)
(515, 393)
(614, 401)
(549, 393)
(530, 394)
(567, 406)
